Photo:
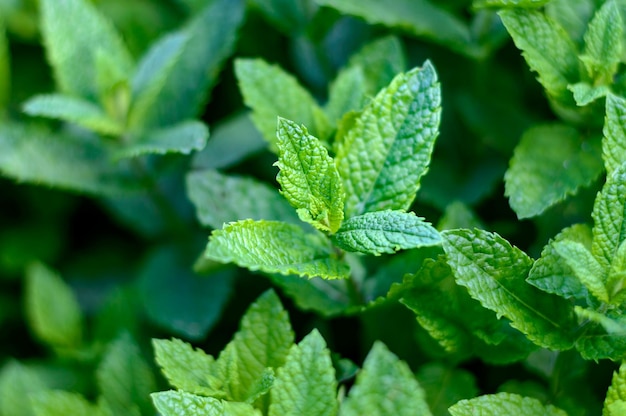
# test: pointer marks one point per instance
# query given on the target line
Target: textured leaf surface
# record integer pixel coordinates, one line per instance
(75, 110)
(550, 163)
(385, 232)
(274, 247)
(73, 32)
(604, 43)
(585, 267)
(504, 404)
(585, 94)
(384, 155)
(52, 403)
(385, 386)
(52, 309)
(616, 395)
(308, 177)
(271, 92)
(306, 383)
(17, 383)
(494, 273)
(552, 274)
(614, 140)
(176, 403)
(222, 198)
(180, 138)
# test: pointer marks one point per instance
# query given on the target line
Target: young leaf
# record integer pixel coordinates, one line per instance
(616, 395)
(124, 378)
(604, 44)
(182, 138)
(52, 309)
(585, 267)
(174, 91)
(614, 139)
(270, 92)
(176, 403)
(385, 232)
(504, 404)
(222, 198)
(347, 93)
(383, 156)
(494, 273)
(306, 383)
(53, 403)
(73, 32)
(308, 177)
(274, 247)
(380, 61)
(17, 384)
(547, 48)
(385, 386)
(550, 162)
(585, 94)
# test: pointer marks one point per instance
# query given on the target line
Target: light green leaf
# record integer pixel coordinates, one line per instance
(585, 267)
(596, 344)
(308, 177)
(550, 163)
(75, 110)
(174, 78)
(306, 383)
(74, 32)
(177, 403)
(617, 275)
(552, 274)
(56, 402)
(186, 368)
(5, 69)
(347, 93)
(494, 273)
(603, 44)
(504, 404)
(611, 326)
(380, 61)
(609, 217)
(585, 94)
(385, 386)
(222, 198)
(572, 15)
(385, 232)
(616, 395)
(547, 48)
(263, 340)
(522, 4)
(182, 138)
(386, 152)
(125, 380)
(270, 92)
(17, 384)
(261, 386)
(53, 312)
(614, 140)
(274, 247)
(444, 386)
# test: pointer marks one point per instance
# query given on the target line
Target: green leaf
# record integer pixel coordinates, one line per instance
(17, 384)
(270, 92)
(529, 4)
(603, 44)
(585, 94)
(611, 326)
(444, 386)
(504, 404)
(287, 15)
(186, 368)
(124, 378)
(617, 275)
(53, 312)
(5, 68)
(385, 232)
(54, 403)
(222, 198)
(459, 215)
(572, 15)
(182, 138)
(176, 403)
(494, 273)
(596, 344)
(385, 386)
(585, 267)
(263, 340)
(274, 247)
(306, 383)
(384, 155)
(547, 48)
(616, 395)
(552, 274)
(347, 93)
(308, 177)
(74, 32)
(75, 110)
(173, 80)
(550, 163)
(614, 139)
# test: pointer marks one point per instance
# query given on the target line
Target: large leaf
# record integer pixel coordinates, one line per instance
(386, 152)
(614, 140)
(504, 404)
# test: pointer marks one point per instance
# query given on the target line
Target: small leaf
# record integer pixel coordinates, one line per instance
(585, 267)
(53, 403)
(616, 395)
(385, 232)
(52, 309)
(306, 383)
(504, 404)
(614, 140)
(222, 198)
(347, 93)
(386, 152)
(604, 44)
(75, 110)
(459, 215)
(585, 94)
(385, 386)
(308, 177)
(270, 92)
(494, 273)
(274, 247)
(550, 163)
